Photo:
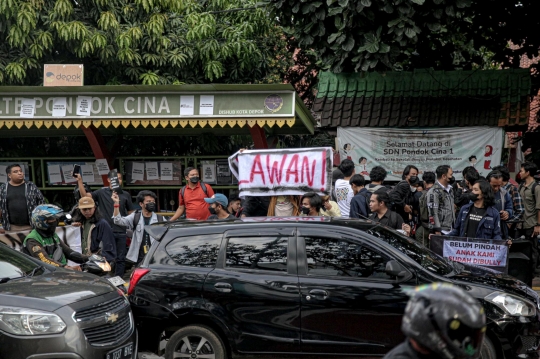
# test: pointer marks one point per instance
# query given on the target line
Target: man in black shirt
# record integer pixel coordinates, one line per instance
(103, 197)
(18, 198)
(381, 213)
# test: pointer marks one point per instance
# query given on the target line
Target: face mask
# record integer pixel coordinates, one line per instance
(212, 210)
(305, 210)
(194, 179)
(150, 207)
(451, 180)
(413, 189)
(413, 179)
(474, 197)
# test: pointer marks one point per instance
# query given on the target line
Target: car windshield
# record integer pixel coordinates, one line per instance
(14, 264)
(420, 254)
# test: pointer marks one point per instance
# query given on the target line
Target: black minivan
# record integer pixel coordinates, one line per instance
(50, 313)
(306, 286)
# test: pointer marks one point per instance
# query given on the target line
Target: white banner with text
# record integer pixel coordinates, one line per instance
(427, 148)
(283, 171)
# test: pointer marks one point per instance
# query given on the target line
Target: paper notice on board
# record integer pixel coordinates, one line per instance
(88, 173)
(59, 107)
(28, 107)
(152, 172)
(3, 175)
(209, 171)
(102, 166)
(206, 106)
(137, 171)
(84, 105)
(187, 105)
(166, 171)
(55, 176)
(66, 171)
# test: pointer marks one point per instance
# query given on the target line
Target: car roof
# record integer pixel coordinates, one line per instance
(158, 229)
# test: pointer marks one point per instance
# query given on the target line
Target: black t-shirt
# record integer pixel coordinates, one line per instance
(214, 216)
(16, 205)
(390, 219)
(106, 206)
(473, 220)
(145, 240)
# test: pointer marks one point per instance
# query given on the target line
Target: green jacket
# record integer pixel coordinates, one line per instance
(44, 248)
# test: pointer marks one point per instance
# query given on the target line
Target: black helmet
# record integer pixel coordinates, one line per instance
(446, 320)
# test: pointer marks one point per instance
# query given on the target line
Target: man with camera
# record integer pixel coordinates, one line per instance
(105, 204)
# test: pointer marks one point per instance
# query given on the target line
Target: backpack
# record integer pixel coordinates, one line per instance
(203, 186)
(137, 218)
(367, 196)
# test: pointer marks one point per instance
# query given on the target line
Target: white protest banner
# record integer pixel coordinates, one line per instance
(59, 107)
(55, 176)
(28, 107)
(84, 104)
(3, 174)
(166, 171)
(206, 105)
(187, 105)
(283, 171)
(482, 252)
(66, 171)
(102, 166)
(152, 172)
(427, 148)
(87, 172)
(209, 171)
(137, 171)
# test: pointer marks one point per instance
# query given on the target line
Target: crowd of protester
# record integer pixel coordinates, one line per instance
(420, 205)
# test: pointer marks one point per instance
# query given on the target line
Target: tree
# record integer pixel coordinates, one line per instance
(363, 35)
(142, 41)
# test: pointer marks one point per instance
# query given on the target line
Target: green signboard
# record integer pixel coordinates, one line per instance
(148, 105)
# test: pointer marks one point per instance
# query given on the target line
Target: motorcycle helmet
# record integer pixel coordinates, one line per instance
(43, 212)
(446, 320)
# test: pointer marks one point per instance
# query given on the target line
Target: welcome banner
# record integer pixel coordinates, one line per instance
(426, 148)
(283, 171)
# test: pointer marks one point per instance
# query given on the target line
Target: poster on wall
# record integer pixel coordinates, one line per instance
(153, 173)
(395, 148)
(208, 172)
(59, 173)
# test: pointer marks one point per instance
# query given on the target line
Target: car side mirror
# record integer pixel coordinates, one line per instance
(395, 269)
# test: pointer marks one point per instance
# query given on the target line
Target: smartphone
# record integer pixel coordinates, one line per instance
(115, 183)
(76, 170)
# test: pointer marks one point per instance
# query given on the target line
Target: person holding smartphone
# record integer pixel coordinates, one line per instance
(105, 203)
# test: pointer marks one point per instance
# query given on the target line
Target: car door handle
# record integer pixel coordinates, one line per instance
(318, 294)
(223, 287)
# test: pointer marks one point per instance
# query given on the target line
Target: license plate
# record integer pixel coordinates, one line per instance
(116, 281)
(121, 353)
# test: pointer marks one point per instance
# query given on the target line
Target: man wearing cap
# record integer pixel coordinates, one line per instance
(96, 235)
(218, 207)
(103, 197)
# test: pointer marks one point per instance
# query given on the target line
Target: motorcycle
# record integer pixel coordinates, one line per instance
(99, 266)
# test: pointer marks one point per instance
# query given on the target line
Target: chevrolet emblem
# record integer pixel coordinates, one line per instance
(111, 318)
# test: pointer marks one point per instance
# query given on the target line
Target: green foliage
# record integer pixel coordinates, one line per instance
(142, 41)
(363, 35)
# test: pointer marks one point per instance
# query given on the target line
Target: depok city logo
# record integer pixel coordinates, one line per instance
(51, 77)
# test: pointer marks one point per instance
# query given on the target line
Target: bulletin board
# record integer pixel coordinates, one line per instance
(59, 173)
(153, 173)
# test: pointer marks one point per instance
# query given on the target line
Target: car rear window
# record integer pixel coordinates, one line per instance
(195, 251)
(262, 253)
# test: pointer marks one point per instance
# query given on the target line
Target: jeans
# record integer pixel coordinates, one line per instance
(121, 251)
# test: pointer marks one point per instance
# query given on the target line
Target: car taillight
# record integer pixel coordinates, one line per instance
(135, 278)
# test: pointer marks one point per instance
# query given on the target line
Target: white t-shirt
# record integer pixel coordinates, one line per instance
(344, 194)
